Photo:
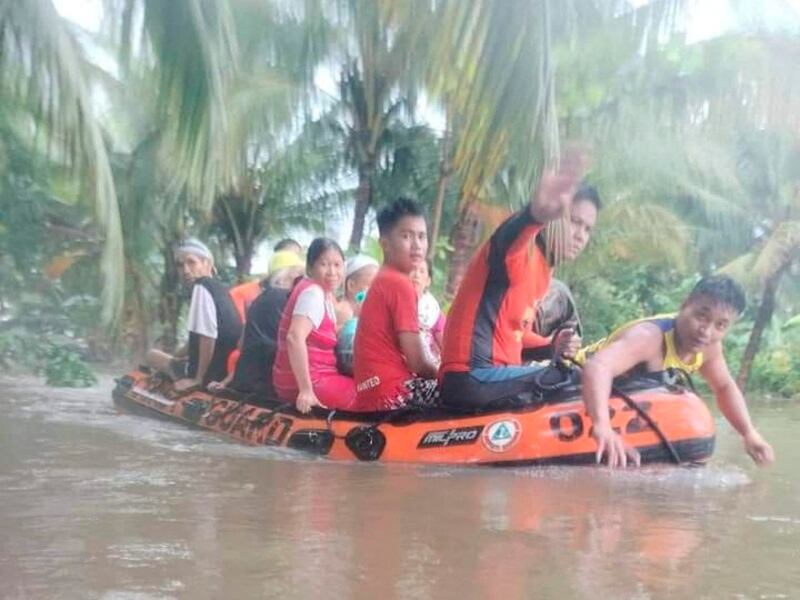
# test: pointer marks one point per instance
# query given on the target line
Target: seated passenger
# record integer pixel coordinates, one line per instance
(213, 323)
(289, 245)
(252, 373)
(391, 367)
(244, 294)
(690, 340)
(360, 270)
(557, 312)
(431, 317)
(482, 353)
(305, 365)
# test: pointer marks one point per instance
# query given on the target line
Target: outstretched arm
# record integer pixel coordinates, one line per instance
(732, 404)
(640, 343)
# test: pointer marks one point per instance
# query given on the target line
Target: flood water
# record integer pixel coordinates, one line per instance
(99, 505)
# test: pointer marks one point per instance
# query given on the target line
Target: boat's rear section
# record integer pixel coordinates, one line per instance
(554, 432)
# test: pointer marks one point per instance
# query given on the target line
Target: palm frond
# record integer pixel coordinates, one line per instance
(40, 61)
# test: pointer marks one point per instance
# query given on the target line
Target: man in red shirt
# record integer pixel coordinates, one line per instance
(391, 368)
(481, 358)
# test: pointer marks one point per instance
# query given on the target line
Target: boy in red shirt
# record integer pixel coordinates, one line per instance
(493, 308)
(391, 367)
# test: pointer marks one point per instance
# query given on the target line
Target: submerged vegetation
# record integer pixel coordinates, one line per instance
(243, 121)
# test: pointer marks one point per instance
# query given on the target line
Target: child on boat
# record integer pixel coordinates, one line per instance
(690, 340)
(431, 317)
(391, 366)
(305, 365)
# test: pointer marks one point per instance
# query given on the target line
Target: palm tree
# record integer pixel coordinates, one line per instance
(493, 69)
(770, 166)
(288, 185)
(381, 59)
(43, 73)
(693, 131)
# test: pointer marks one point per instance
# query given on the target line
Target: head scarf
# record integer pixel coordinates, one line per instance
(195, 247)
(283, 259)
(358, 262)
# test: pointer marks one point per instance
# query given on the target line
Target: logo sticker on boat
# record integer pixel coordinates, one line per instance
(457, 436)
(501, 435)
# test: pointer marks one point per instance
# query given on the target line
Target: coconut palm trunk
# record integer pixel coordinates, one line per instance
(441, 188)
(463, 241)
(766, 309)
(363, 204)
(169, 308)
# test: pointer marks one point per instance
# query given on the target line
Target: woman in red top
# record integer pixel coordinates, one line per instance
(305, 365)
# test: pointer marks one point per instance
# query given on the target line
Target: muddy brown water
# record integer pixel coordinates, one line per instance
(94, 504)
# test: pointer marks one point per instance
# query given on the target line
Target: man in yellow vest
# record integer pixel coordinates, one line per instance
(690, 340)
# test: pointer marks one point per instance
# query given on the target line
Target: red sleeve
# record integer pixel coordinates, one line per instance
(531, 339)
(518, 256)
(402, 302)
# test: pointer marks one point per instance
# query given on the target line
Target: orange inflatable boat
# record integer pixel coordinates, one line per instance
(666, 422)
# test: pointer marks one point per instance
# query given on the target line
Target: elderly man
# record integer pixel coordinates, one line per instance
(213, 323)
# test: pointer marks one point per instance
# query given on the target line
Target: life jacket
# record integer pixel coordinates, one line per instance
(229, 328)
(320, 345)
(666, 323)
(243, 296)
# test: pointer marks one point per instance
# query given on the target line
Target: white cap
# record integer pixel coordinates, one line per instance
(358, 262)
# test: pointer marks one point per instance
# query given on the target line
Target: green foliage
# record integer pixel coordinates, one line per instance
(776, 368)
(624, 293)
(59, 361)
(65, 368)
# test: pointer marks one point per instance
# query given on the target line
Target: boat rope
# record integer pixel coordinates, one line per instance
(670, 447)
(673, 452)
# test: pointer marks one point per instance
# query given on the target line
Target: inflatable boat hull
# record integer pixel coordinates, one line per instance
(556, 432)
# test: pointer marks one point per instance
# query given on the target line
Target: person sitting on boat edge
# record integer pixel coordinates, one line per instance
(213, 323)
(305, 365)
(431, 317)
(493, 307)
(690, 340)
(252, 371)
(557, 313)
(390, 365)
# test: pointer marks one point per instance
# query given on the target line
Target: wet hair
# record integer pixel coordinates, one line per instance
(589, 193)
(722, 289)
(390, 214)
(285, 244)
(319, 247)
